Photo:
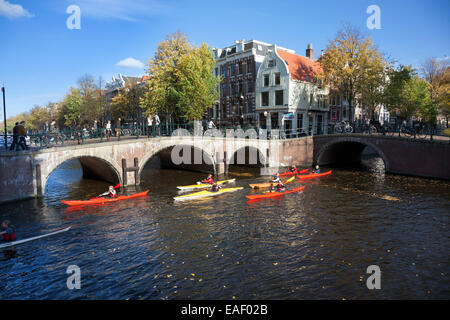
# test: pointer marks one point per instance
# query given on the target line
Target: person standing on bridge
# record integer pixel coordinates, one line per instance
(15, 141)
(149, 124)
(156, 125)
(108, 130)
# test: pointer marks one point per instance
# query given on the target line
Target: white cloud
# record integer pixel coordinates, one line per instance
(13, 11)
(130, 10)
(130, 63)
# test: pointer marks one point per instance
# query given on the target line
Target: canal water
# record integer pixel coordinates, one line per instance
(311, 245)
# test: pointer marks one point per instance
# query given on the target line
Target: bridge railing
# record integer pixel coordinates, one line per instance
(37, 140)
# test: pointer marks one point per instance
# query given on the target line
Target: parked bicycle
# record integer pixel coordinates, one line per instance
(343, 127)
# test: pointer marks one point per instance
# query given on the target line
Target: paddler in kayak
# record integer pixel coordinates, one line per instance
(111, 192)
(280, 187)
(215, 187)
(276, 178)
(317, 170)
(209, 179)
(8, 231)
(293, 169)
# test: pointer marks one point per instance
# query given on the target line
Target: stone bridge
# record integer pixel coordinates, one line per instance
(25, 174)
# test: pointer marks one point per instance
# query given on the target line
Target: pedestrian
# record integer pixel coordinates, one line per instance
(118, 126)
(204, 124)
(15, 141)
(108, 130)
(149, 124)
(211, 124)
(156, 126)
(95, 128)
(22, 135)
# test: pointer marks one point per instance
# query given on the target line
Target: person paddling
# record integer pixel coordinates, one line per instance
(8, 231)
(293, 169)
(280, 187)
(276, 178)
(111, 192)
(215, 187)
(209, 179)
(317, 170)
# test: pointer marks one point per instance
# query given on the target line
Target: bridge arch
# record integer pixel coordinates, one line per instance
(247, 155)
(207, 159)
(347, 149)
(92, 166)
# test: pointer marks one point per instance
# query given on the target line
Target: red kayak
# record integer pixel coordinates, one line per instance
(273, 194)
(289, 173)
(313, 175)
(103, 200)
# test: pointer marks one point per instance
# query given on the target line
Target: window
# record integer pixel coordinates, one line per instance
(240, 88)
(300, 122)
(265, 98)
(266, 80)
(279, 98)
(232, 70)
(338, 100)
(311, 97)
(224, 71)
(274, 121)
(249, 66)
(249, 86)
(224, 89)
(271, 63)
(216, 71)
(240, 68)
(277, 78)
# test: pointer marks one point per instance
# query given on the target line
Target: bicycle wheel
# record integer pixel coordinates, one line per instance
(338, 129)
(348, 129)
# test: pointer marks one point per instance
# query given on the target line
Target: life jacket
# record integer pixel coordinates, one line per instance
(292, 169)
(280, 187)
(317, 171)
(10, 237)
(210, 180)
(113, 195)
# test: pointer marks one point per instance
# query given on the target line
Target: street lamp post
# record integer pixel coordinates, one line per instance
(4, 117)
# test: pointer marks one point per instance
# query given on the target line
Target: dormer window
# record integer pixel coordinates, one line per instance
(271, 63)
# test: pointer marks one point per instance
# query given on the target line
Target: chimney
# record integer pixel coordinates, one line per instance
(310, 51)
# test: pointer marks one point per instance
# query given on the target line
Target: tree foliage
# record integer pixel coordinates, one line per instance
(182, 83)
(127, 103)
(353, 65)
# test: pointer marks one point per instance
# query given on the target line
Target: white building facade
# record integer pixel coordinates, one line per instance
(287, 96)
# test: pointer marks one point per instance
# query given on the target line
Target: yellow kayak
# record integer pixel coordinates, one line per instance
(268, 184)
(206, 193)
(204, 185)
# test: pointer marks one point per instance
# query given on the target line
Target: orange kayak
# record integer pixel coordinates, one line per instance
(313, 175)
(288, 173)
(274, 194)
(103, 200)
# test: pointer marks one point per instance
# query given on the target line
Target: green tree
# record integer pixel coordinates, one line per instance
(182, 83)
(73, 106)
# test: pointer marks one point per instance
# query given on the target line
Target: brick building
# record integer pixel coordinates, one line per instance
(238, 65)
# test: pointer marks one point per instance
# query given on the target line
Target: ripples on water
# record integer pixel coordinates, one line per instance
(311, 245)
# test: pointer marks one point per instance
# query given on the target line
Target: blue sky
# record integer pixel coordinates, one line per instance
(40, 58)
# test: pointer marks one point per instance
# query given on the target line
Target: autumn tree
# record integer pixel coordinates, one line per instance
(437, 74)
(353, 65)
(182, 83)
